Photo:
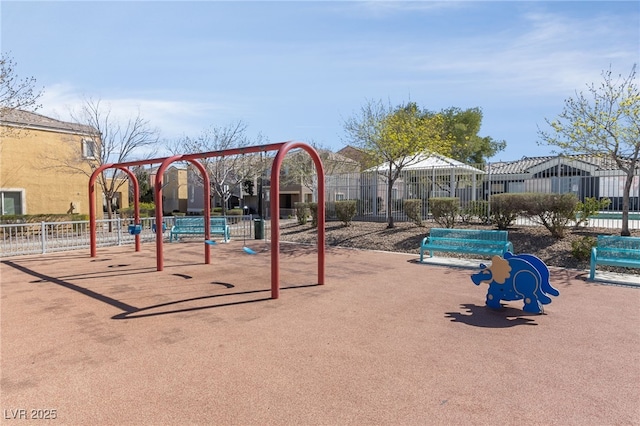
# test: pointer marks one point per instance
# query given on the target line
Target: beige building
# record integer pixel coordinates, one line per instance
(45, 165)
(174, 188)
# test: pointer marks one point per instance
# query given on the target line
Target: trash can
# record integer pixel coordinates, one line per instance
(258, 228)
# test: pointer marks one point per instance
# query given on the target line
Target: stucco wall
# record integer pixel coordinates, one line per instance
(38, 163)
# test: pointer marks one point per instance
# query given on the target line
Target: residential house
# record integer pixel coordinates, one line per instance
(45, 165)
(363, 158)
(174, 188)
(298, 182)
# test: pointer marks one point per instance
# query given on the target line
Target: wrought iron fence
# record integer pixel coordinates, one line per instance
(584, 177)
(47, 237)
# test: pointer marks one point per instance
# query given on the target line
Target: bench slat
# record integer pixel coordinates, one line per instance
(484, 242)
(614, 250)
(195, 226)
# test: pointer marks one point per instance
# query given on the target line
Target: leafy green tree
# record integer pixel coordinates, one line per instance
(395, 137)
(604, 122)
(463, 126)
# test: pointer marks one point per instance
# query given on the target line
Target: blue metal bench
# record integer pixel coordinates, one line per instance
(195, 226)
(471, 241)
(614, 250)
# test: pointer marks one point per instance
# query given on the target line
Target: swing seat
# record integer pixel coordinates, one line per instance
(248, 250)
(135, 229)
(164, 227)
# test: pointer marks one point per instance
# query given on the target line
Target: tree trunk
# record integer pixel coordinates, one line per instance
(625, 204)
(390, 223)
(109, 202)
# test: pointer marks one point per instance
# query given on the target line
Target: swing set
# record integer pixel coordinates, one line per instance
(282, 149)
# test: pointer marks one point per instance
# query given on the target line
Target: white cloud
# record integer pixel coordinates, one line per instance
(548, 54)
(172, 118)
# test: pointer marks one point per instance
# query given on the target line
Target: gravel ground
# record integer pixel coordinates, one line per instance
(406, 237)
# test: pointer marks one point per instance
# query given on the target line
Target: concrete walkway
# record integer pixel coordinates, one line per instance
(387, 341)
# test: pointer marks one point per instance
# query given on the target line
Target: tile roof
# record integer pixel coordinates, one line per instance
(525, 164)
(32, 120)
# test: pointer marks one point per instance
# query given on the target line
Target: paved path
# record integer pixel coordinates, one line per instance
(387, 341)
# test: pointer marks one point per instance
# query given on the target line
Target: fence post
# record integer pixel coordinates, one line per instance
(119, 225)
(43, 237)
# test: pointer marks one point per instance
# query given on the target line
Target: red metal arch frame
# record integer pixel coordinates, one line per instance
(283, 148)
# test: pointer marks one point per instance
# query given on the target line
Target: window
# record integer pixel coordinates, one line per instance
(11, 202)
(339, 196)
(88, 148)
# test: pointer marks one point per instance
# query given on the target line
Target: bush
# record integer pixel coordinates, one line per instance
(553, 211)
(313, 207)
(413, 210)
(445, 210)
(37, 218)
(346, 210)
(504, 209)
(476, 210)
(302, 212)
(581, 249)
(590, 207)
(146, 210)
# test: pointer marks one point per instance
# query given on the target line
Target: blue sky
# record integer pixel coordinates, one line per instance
(297, 70)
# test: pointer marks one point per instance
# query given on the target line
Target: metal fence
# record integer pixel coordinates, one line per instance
(471, 183)
(48, 237)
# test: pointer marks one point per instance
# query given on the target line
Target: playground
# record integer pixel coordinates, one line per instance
(110, 339)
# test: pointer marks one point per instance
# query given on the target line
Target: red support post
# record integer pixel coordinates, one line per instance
(281, 147)
(275, 214)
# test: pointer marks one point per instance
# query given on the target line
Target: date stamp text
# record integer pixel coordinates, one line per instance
(29, 414)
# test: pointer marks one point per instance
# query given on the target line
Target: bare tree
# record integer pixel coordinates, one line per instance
(604, 122)
(226, 173)
(300, 169)
(109, 141)
(16, 93)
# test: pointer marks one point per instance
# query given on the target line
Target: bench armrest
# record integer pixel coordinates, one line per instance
(592, 266)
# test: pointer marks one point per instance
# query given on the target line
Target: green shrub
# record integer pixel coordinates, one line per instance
(346, 210)
(413, 210)
(37, 218)
(476, 210)
(553, 211)
(590, 207)
(445, 210)
(313, 207)
(146, 210)
(302, 212)
(504, 209)
(581, 249)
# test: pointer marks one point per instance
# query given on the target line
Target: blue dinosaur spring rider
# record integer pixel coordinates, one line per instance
(516, 277)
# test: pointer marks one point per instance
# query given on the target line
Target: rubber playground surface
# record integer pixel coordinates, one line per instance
(386, 341)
